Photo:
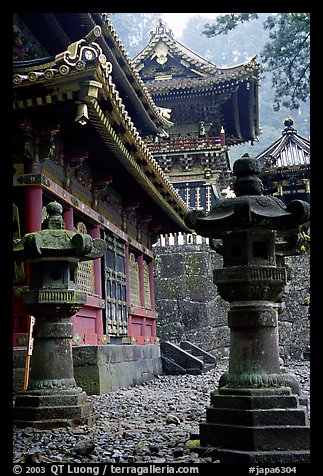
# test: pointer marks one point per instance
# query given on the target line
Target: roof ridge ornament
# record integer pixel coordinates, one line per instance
(162, 29)
(83, 51)
(289, 129)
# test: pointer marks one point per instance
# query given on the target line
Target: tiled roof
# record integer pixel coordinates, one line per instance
(210, 71)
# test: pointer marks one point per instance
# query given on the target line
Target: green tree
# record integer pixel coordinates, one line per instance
(286, 54)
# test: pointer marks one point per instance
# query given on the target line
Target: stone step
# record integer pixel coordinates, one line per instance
(198, 352)
(208, 367)
(190, 359)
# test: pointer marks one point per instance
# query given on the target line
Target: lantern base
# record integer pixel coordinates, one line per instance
(256, 425)
(46, 409)
(254, 457)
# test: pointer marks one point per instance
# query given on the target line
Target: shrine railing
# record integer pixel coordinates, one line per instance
(180, 145)
(181, 239)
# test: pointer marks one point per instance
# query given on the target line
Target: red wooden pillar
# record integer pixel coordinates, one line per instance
(32, 222)
(68, 218)
(33, 208)
(98, 284)
(33, 214)
(34, 197)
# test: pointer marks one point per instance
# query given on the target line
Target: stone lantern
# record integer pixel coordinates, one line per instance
(53, 399)
(255, 415)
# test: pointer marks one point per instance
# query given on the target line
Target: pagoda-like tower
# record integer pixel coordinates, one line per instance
(211, 108)
(286, 166)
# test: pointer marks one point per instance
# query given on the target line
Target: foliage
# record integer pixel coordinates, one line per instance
(286, 54)
(225, 50)
(306, 242)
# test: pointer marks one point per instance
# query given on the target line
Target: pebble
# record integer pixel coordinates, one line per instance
(141, 424)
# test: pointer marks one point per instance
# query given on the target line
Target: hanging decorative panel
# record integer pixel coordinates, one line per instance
(134, 281)
(85, 269)
(147, 285)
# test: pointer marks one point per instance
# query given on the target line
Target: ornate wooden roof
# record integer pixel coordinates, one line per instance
(57, 31)
(51, 87)
(172, 72)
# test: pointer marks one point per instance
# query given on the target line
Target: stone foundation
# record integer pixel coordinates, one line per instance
(105, 368)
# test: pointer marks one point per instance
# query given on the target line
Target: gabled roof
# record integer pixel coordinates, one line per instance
(289, 150)
(173, 74)
(164, 35)
(162, 47)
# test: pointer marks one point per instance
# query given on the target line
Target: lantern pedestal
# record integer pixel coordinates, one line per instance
(256, 426)
(53, 399)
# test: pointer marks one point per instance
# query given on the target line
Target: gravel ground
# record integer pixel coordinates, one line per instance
(148, 423)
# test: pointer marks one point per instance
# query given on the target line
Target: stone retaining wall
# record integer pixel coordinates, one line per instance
(189, 307)
(105, 368)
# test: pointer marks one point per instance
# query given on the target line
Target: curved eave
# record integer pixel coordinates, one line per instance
(211, 82)
(66, 28)
(128, 78)
(146, 110)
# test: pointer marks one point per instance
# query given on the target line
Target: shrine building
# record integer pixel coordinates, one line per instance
(81, 114)
(212, 108)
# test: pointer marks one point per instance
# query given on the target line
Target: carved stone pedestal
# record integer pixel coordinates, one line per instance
(256, 426)
(53, 409)
(255, 416)
(53, 399)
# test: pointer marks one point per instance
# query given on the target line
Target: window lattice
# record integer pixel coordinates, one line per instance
(85, 277)
(115, 287)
